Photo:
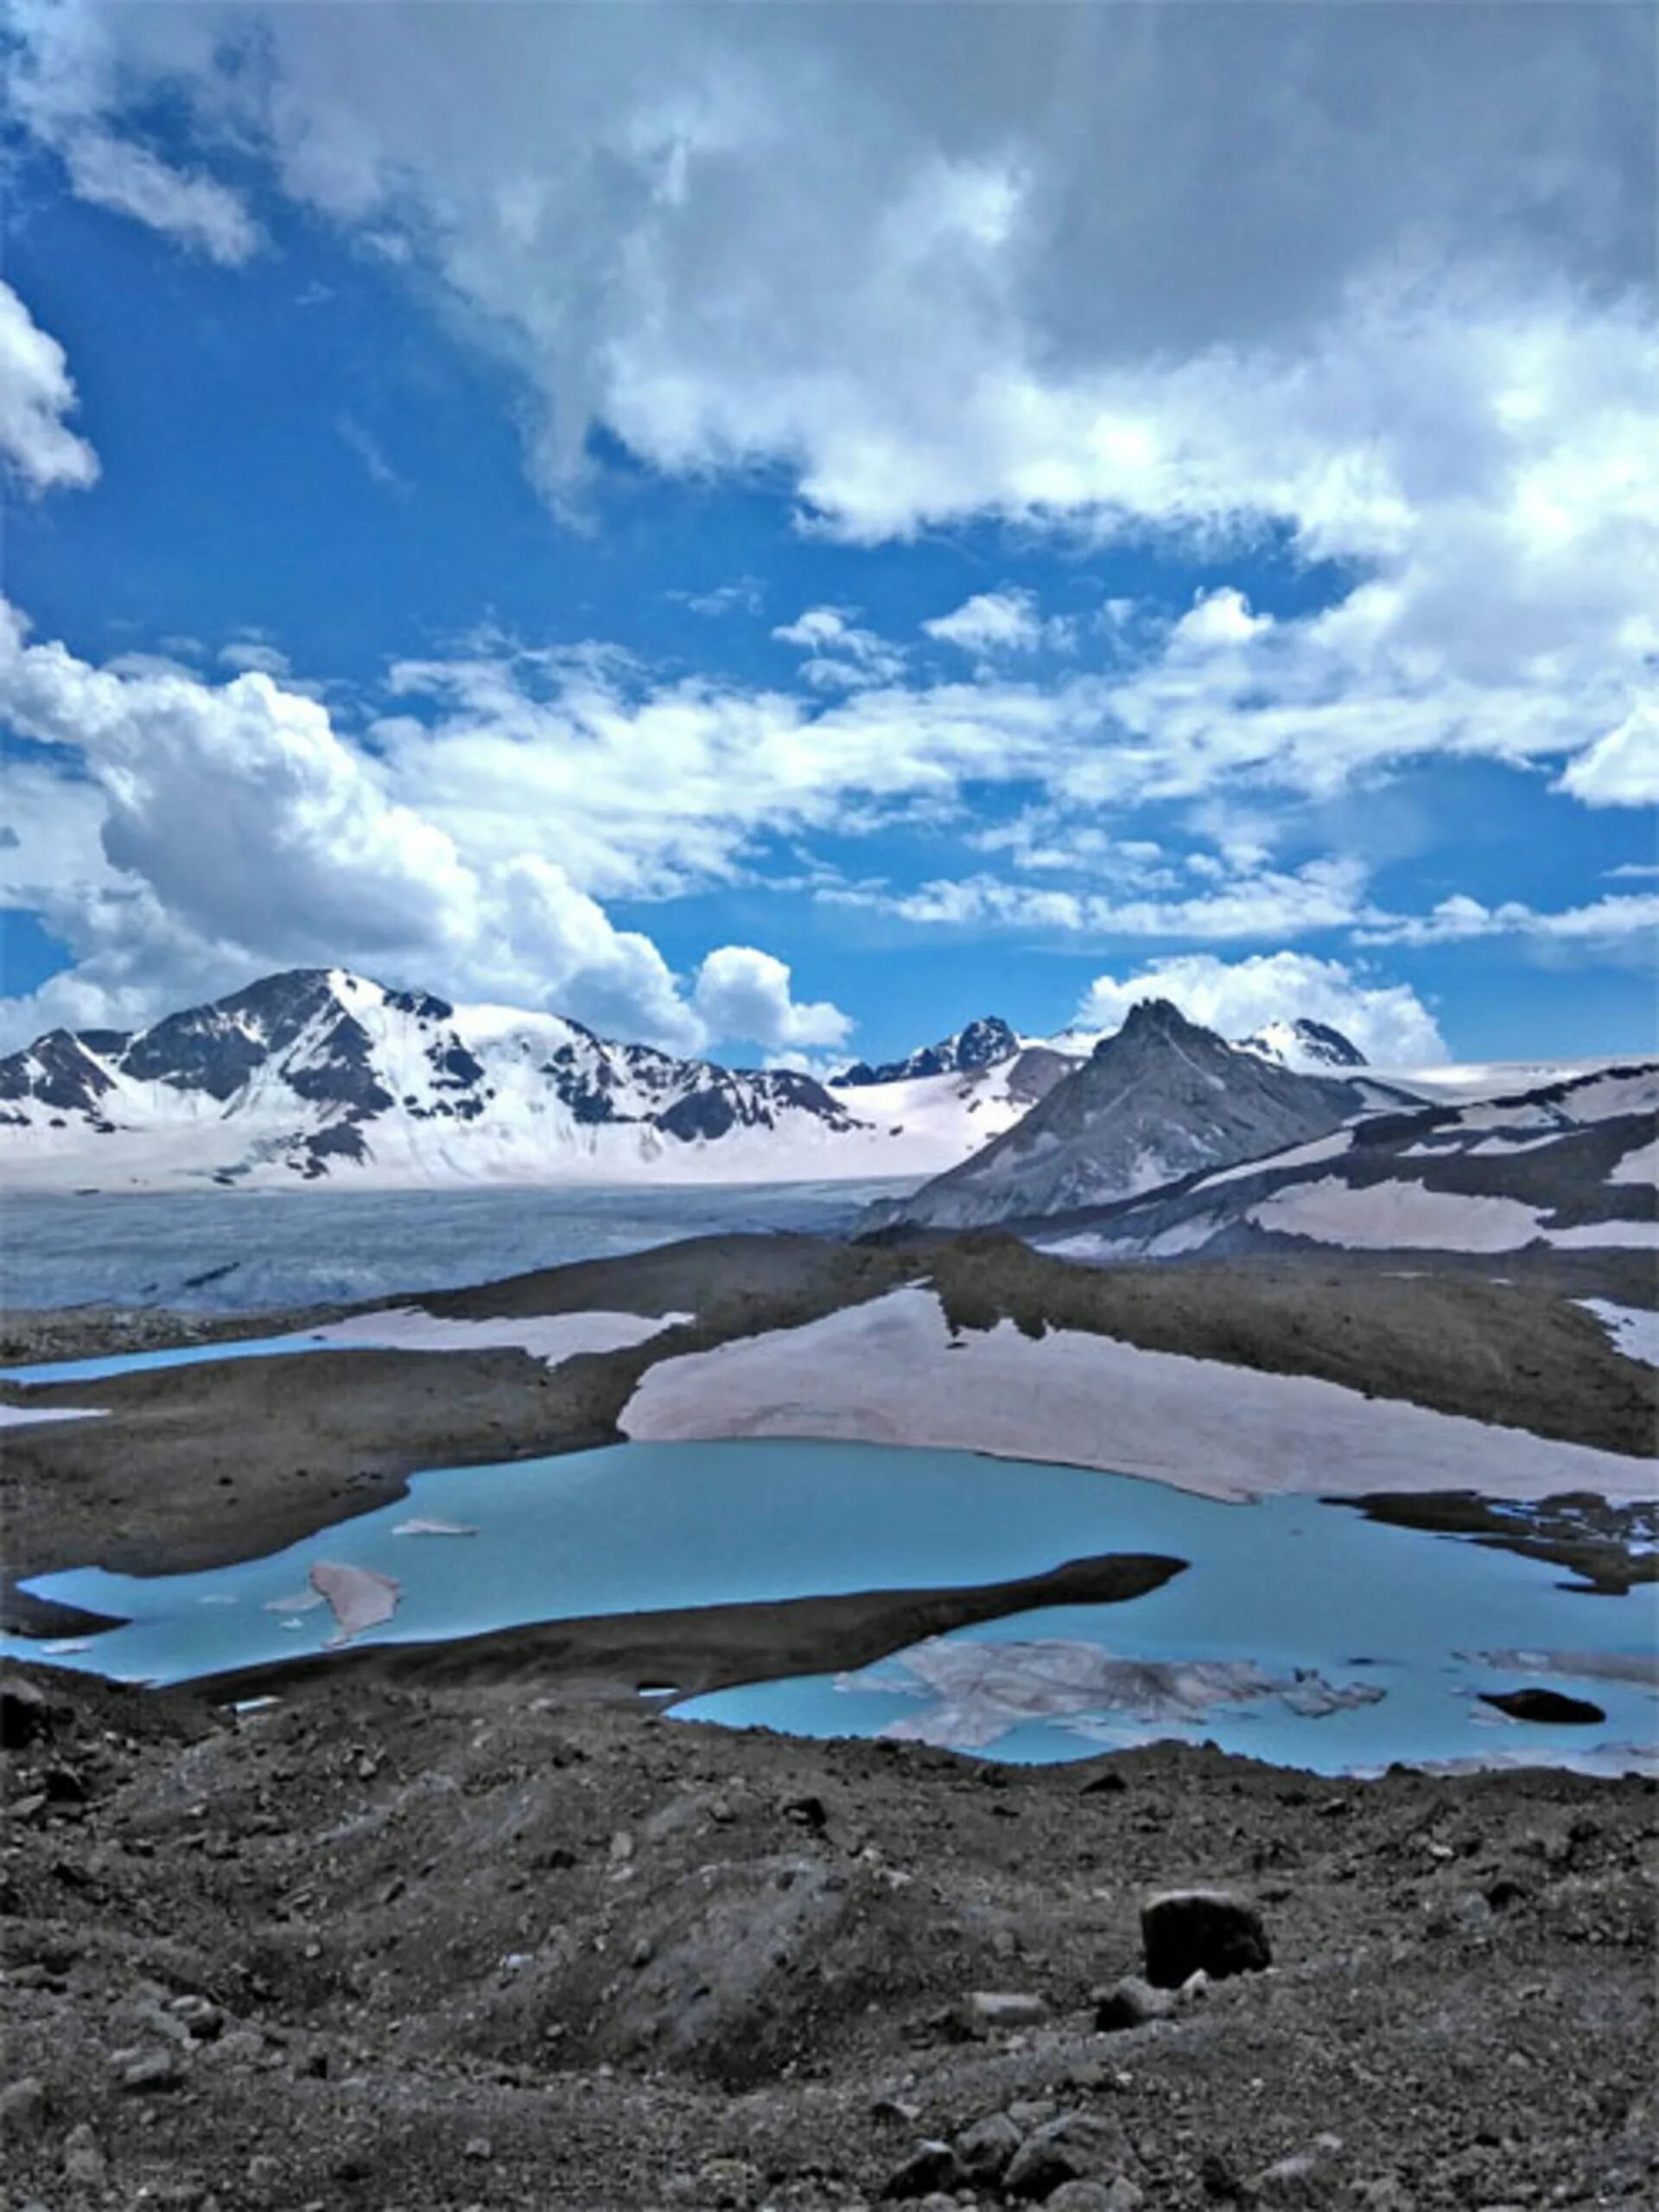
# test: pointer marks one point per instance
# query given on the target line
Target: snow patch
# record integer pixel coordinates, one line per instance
(1634, 1328)
(890, 1372)
(1641, 1165)
(29, 1416)
(1382, 1217)
(550, 1338)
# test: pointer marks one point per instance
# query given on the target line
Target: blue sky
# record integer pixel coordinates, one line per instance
(639, 525)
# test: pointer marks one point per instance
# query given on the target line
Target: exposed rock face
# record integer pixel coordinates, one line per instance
(983, 1043)
(1158, 1100)
(1201, 1931)
(1550, 1706)
(1567, 1161)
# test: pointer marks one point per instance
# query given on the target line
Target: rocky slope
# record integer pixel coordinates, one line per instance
(1570, 1165)
(1155, 1102)
(482, 1946)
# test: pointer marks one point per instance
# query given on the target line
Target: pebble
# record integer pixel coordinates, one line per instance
(83, 2158)
(1183, 1930)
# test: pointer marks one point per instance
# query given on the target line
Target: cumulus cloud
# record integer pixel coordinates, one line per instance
(1005, 621)
(839, 654)
(1621, 769)
(1417, 343)
(36, 392)
(744, 993)
(1460, 919)
(1388, 1021)
(196, 830)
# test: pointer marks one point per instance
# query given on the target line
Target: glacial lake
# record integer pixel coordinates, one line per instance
(1289, 1587)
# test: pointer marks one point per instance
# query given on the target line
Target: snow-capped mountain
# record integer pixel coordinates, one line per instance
(1572, 1164)
(1310, 1047)
(321, 1073)
(981, 1044)
(1156, 1100)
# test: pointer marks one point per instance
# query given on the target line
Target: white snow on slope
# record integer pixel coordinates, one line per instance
(888, 1372)
(27, 1416)
(1641, 1165)
(553, 1337)
(1634, 1328)
(1405, 1216)
(1301, 1155)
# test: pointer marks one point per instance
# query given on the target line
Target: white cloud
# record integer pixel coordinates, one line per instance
(1417, 341)
(197, 831)
(254, 655)
(1387, 1021)
(1217, 619)
(745, 595)
(1323, 894)
(36, 392)
(742, 993)
(1621, 769)
(1005, 621)
(841, 655)
(196, 212)
(1460, 919)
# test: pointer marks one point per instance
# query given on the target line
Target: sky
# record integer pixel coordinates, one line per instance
(778, 530)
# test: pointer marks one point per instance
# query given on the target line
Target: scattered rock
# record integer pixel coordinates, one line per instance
(23, 2106)
(931, 2166)
(151, 2072)
(1309, 2177)
(1119, 2195)
(986, 2011)
(987, 2147)
(1066, 2149)
(1131, 2003)
(83, 2158)
(25, 1715)
(1554, 1707)
(1185, 1930)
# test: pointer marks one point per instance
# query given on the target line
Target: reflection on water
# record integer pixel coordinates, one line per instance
(1290, 1588)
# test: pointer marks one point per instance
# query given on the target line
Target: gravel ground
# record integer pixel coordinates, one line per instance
(403, 1946)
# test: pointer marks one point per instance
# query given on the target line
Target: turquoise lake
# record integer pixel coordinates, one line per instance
(1290, 1585)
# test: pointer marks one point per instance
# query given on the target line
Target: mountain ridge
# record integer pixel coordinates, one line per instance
(1158, 1099)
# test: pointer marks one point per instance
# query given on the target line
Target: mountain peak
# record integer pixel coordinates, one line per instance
(983, 1043)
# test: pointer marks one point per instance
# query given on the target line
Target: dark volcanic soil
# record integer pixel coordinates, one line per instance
(405, 1946)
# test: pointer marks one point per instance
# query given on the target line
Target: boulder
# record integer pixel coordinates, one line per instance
(1186, 1931)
